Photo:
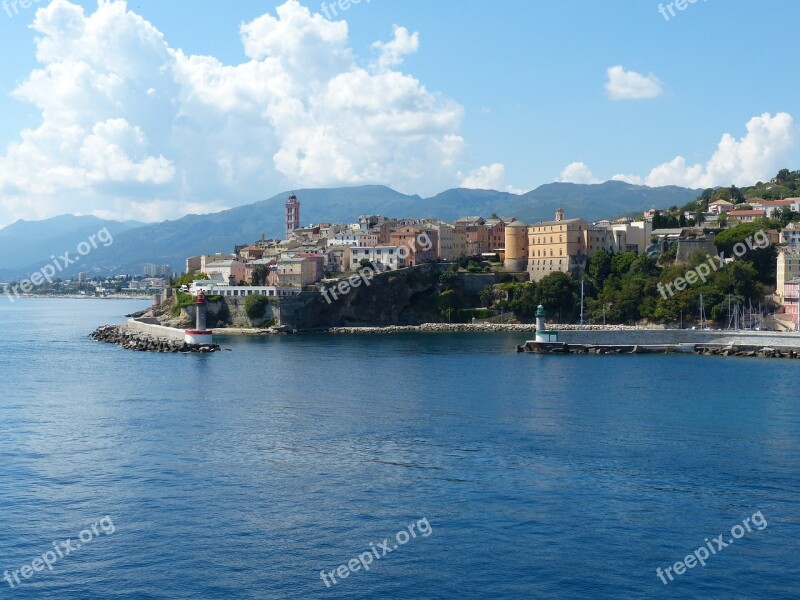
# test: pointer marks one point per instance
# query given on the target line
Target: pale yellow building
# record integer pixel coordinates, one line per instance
(566, 244)
(452, 240)
(295, 272)
(516, 245)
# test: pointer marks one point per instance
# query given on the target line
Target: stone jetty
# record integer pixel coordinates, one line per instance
(131, 339)
(437, 328)
(744, 350)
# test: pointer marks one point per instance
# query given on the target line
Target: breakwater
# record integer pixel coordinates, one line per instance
(653, 337)
(704, 349)
(437, 328)
(134, 338)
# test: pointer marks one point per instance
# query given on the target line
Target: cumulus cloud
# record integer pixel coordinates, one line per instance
(392, 53)
(632, 179)
(762, 152)
(577, 172)
(630, 85)
(489, 177)
(134, 128)
(766, 148)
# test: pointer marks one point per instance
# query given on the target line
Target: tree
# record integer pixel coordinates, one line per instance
(524, 299)
(255, 306)
(621, 263)
(599, 267)
(260, 275)
(449, 279)
(737, 197)
(557, 293)
(744, 235)
(782, 176)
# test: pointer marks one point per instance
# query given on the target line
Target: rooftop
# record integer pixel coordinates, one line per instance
(747, 213)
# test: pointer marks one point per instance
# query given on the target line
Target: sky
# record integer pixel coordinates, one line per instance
(150, 110)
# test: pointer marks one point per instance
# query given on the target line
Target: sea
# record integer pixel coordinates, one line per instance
(387, 466)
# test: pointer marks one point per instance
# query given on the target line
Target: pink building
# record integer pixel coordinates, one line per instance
(229, 271)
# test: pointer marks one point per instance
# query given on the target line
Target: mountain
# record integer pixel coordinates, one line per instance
(171, 242)
(603, 200)
(26, 243)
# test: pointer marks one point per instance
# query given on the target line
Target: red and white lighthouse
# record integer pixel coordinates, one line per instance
(200, 336)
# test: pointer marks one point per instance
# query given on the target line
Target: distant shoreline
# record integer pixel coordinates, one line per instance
(77, 297)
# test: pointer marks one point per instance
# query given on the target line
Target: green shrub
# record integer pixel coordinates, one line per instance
(255, 307)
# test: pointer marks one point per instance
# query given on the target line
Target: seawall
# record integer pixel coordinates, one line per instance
(654, 337)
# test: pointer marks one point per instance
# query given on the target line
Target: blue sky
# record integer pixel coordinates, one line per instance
(508, 95)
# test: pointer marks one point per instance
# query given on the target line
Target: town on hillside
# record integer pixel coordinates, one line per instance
(609, 270)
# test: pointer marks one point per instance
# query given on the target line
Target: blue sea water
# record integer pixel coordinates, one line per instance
(243, 474)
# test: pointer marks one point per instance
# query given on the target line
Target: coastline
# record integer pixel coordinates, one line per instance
(79, 297)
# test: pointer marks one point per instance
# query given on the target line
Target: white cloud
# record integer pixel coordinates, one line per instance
(766, 148)
(632, 179)
(630, 85)
(762, 152)
(134, 128)
(392, 53)
(490, 177)
(577, 172)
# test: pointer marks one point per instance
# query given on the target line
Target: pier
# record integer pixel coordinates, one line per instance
(707, 349)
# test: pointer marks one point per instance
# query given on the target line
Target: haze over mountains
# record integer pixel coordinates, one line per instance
(28, 245)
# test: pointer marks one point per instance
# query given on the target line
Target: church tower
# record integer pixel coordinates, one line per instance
(292, 215)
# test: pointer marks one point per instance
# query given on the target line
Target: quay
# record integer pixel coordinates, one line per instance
(661, 341)
(747, 350)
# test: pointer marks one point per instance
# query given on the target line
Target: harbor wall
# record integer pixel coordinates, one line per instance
(156, 331)
(678, 336)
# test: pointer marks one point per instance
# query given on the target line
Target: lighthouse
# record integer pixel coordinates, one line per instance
(542, 335)
(200, 336)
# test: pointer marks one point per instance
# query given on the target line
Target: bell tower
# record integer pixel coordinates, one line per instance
(292, 215)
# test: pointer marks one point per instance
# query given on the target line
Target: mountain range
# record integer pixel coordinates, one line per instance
(29, 245)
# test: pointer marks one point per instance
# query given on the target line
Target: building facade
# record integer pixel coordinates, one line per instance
(387, 257)
(420, 242)
(229, 271)
(788, 268)
(295, 273)
(565, 245)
